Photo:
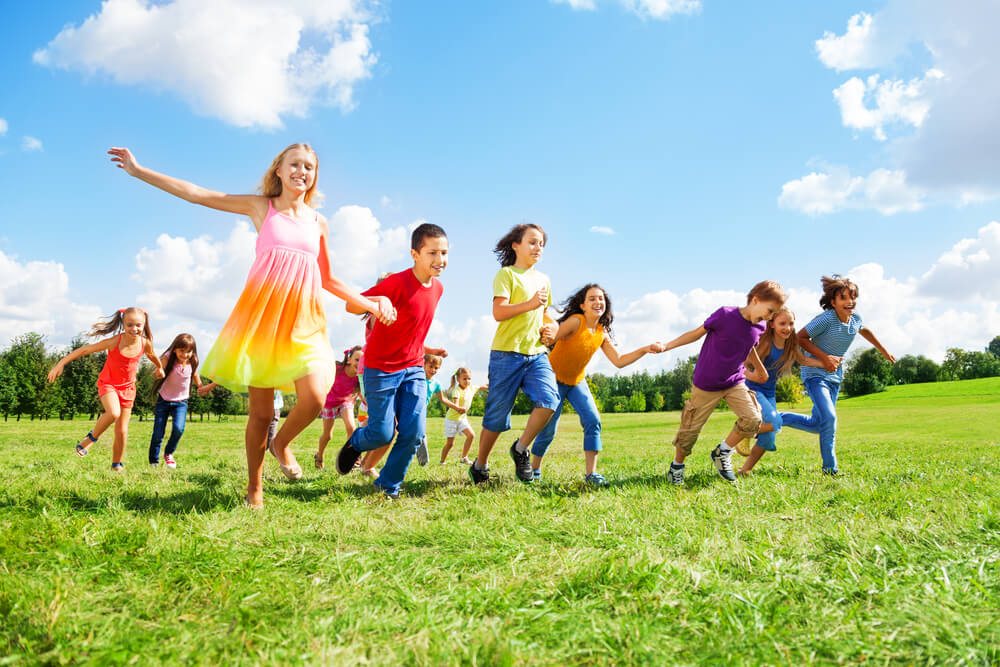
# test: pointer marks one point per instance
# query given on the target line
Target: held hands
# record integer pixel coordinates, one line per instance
(158, 373)
(656, 348)
(384, 311)
(547, 332)
(203, 391)
(124, 159)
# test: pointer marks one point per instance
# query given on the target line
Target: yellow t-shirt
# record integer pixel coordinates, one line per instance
(462, 398)
(520, 333)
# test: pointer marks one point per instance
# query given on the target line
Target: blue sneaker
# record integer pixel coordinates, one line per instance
(536, 474)
(595, 479)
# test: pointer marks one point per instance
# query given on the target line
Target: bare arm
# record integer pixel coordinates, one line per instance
(157, 362)
(567, 329)
(203, 391)
(252, 206)
(436, 351)
(623, 360)
(357, 303)
(686, 338)
(756, 367)
(503, 309)
(829, 363)
(101, 346)
(448, 403)
(869, 336)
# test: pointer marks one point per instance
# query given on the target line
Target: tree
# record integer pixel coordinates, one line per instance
(927, 371)
(654, 401)
(223, 402)
(637, 402)
(27, 361)
(8, 395)
(868, 372)
(144, 399)
(911, 369)
(789, 390)
(963, 365)
(79, 382)
(994, 347)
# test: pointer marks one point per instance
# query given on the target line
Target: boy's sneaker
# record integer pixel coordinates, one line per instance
(479, 476)
(117, 467)
(522, 464)
(723, 463)
(595, 479)
(169, 460)
(422, 456)
(676, 474)
(346, 458)
(392, 495)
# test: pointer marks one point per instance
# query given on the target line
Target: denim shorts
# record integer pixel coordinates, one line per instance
(510, 371)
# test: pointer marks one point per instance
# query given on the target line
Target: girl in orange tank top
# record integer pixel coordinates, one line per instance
(585, 327)
(116, 383)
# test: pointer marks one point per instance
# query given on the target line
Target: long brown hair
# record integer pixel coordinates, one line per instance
(834, 286)
(184, 342)
(270, 185)
(504, 249)
(791, 353)
(116, 324)
(574, 306)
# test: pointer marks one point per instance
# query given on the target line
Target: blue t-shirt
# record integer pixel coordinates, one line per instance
(770, 387)
(433, 387)
(834, 337)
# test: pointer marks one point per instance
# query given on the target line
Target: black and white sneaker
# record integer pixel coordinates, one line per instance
(676, 474)
(522, 464)
(479, 476)
(723, 463)
(346, 458)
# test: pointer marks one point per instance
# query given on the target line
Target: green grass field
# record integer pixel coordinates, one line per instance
(896, 561)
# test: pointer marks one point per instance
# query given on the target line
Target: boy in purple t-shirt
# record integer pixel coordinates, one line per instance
(732, 334)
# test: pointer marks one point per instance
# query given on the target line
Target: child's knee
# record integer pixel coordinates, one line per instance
(749, 425)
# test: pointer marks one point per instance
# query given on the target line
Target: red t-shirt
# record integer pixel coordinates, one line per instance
(401, 345)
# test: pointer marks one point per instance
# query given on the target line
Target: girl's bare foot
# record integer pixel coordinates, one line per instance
(254, 499)
(369, 472)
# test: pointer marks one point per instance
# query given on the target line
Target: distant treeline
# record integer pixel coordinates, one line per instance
(26, 362)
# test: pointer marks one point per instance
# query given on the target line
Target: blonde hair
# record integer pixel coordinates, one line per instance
(270, 185)
(454, 379)
(116, 323)
(791, 353)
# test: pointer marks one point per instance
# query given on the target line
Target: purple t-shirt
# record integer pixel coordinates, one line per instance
(730, 337)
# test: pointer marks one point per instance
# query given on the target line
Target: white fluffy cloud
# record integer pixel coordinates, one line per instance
(836, 189)
(247, 62)
(970, 270)
(943, 118)
(600, 229)
(3, 127)
(30, 144)
(654, 9)
(35, 296)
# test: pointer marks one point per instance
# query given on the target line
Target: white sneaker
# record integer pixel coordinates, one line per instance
(676, 474)
(723, 462)
(169, 460)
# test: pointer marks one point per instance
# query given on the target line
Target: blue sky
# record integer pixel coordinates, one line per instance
(722, 143)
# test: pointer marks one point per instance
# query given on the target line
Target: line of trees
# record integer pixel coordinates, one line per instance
(24, 390)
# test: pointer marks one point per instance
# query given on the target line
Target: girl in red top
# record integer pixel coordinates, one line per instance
(116, 383)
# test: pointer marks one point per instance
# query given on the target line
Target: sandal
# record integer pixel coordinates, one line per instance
(292, 472)
(81, 451)
(317, 461)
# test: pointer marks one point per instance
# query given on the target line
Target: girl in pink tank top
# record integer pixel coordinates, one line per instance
(275, 338)
(340, 400)
(116, 383)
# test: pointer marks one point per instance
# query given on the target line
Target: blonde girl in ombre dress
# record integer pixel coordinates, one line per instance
(275, 337)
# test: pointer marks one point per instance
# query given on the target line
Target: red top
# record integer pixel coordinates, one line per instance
(119, 371)
(401, 345)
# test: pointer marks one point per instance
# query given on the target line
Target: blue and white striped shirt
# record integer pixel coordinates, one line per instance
(834, 337)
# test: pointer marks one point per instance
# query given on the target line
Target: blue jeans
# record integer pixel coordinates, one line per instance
(823, 419)
(396, 402)
(510, 371)
(769, 414)
(590, 419)
(177, 410)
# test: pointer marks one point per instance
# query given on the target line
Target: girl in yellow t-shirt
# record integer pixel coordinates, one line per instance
(584, 327)
(460, 395)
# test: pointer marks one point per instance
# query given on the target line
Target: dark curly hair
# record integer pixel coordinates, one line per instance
(574, 306)
(505, 246)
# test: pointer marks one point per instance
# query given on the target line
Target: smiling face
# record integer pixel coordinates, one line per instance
(594, 302)
(133, 323)
(761, 311)
(464, 378)
(783, 325)
(352, 362)
(843, 304)
(297, 170)
(431, 259)
(529, 249)
(183, 355)
(431, 368)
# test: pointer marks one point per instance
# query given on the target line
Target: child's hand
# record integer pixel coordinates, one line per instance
(890, 357)
(547, 333)
(125, 160)
(203, 391)
(384, 311)
(462, 411)
(438, 351)
(158, 373)
(540, 299)
(831, 363)
(55, 372)
(656, 348)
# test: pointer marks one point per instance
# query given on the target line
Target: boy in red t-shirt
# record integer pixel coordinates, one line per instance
(395, 384)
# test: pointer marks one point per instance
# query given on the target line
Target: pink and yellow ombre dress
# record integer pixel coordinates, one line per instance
(276, 333)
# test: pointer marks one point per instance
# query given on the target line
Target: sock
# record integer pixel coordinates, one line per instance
(475, 464)
(521, 449)
(675, 464)
(723, 447)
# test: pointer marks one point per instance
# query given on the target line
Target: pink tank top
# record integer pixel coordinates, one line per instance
(177, 385)
(287, 233)
(342, 390)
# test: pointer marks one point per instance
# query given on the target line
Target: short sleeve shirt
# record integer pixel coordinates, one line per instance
(433, 387)
(520, 333)
(462, 398)
(834, 337)
(729, 340)
(401, 345)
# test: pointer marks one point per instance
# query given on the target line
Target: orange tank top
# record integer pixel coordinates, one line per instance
(570, 356)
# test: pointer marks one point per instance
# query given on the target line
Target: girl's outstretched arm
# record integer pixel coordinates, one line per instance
(686, 338)
(83, 351)
(623, 360)
(252, 206)
(203, 390)
(357, 303)
(152, 356)
(828, 362)
(869, 336)
(449, 404)
(567, 329)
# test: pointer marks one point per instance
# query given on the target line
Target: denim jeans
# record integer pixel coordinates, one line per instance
(823, 419)
(510, 371)
(177, 410)
(769, 415)
(396, 402)
(590, 419)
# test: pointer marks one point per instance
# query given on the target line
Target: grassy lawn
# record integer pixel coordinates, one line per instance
(897, 561)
